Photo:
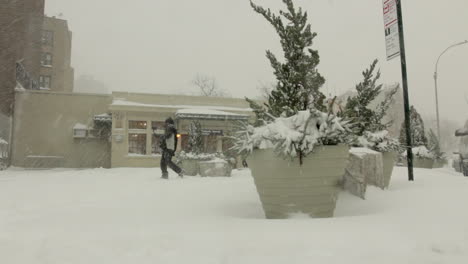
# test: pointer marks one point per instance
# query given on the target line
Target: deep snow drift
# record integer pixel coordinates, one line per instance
(132, 216)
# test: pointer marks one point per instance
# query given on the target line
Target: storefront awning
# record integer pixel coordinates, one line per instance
(208, 114)
(103, 118)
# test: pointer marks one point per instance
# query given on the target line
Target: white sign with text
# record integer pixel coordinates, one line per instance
(392, 39)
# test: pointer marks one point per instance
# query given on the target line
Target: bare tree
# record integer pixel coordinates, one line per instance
(208, 86)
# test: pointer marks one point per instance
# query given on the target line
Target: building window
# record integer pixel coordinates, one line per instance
(157, 128)
(46, 59)
(158, 125)
(48, 38)
(45, 82)
(137, 144)
(137, 124)
(210, 143)
(155, 144)
(184, 143)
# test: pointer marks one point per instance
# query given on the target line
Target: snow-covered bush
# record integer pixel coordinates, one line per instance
(379, 141)
(294, 136)
(197, 156)
(421, 152)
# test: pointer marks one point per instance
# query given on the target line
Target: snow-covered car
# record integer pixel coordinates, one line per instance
(463, 148)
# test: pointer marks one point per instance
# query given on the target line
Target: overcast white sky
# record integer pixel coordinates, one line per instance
(159, 46)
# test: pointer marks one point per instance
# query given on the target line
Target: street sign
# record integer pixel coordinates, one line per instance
(212, 132)
(392, 39)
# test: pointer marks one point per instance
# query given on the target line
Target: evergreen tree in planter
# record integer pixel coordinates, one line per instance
(294, 124)
(418, 132)
(434, 148)
(368, 124)
(189, 161)
(298, 81)
(423, 158)
(195, 141)
(194, 161)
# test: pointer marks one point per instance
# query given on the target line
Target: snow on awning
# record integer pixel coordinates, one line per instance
(80, 126)
(103, 117)
(124, 103)
(208, 114)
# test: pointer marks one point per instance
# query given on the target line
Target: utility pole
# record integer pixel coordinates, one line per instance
(405, 92)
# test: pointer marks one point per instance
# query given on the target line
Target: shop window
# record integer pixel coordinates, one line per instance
(137, 144)
(211, 143)
(157, 125)
(137, 124)
(155, 145)
(184, 142)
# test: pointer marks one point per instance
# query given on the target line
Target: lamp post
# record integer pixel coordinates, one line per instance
(435, 81)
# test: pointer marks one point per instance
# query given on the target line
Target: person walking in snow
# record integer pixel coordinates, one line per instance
(169, 146)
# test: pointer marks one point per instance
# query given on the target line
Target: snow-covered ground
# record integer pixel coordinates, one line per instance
(131, 216)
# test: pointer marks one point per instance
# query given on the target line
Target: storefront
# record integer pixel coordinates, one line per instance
(87, 131)
(138, 124)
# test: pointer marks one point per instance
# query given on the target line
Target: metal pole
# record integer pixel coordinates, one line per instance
(437, 105)
(405, 93)
(435, 82)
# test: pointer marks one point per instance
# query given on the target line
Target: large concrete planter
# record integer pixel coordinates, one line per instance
(439, 163)
(190, 166)
(423, 163)
(456, 164)
(286, 188)
(364, 167)
(389, 160)
(215, 168)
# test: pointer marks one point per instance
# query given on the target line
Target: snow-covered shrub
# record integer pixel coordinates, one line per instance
(379, 141)
(198, 156)
(421, 152)
(294, 136)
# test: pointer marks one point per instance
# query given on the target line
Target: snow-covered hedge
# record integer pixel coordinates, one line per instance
(198, 156)
(290, 136)
(421, 152)
(379, 141)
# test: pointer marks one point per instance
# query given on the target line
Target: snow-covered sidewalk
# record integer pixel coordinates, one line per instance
(132, 216)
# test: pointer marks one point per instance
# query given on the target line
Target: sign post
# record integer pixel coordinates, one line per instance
(395, 42)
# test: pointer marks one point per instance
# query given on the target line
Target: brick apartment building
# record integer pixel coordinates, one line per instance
(20, 44)
(56, 73)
